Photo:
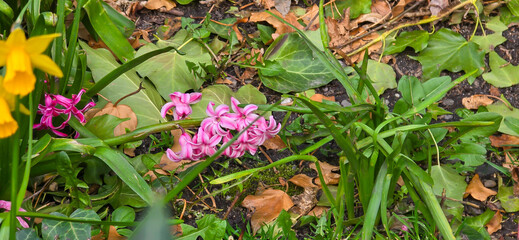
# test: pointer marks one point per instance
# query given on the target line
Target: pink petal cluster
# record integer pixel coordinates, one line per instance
(181, 102)
(56, 105)
(219, 127)
(6, 205)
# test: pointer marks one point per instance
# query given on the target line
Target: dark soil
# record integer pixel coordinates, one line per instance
(403, 65)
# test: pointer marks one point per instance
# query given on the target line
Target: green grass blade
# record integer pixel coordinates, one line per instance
(374, 203)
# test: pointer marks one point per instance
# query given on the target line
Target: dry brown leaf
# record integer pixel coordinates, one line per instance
(283, 6)
(248, 74)
(318, 211)
(494, 91)
(223, 81)
(380, 7)
(436, 6)
(515, 177)
(477, 190)
(278, 25)
(475, 101)
(156, 4)
(121, 111)
(305, 201)
(503, 140)
(319, 98)
(267, 4)
(266, 206)
(495, 223)
(400, 6)
(328, 173)
(311, 12)
(112, 235)
(275, 143)
(303, 180)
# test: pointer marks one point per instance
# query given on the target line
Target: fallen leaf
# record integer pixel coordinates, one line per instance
(156, 4)
(504, 140)
(515, 177)
(477, 190)
(494, 91)
(399, 7)
(223, 81)
(266, 206)
(495, 223)
(436, 6)
(380, 7)
(275, 143)
(303, 180)
(305, 201)
(475, 101)
(319, 98)
(328, 173)
(248, 74)
(121, 111)
(318, 211)
(278, 25)
(267, 4)
(112, 235)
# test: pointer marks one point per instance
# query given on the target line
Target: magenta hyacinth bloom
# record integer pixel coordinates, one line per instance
(56, 105)
(6, 205)
(219, 127)
(181, 102)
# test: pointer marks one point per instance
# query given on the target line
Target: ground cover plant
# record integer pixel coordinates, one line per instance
(162, 119)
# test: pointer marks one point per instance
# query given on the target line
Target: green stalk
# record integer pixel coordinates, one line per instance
(15, 147)
(27, 171)
(142, 133)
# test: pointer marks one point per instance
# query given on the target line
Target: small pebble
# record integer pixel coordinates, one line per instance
(325, 89)
(448, 117)
(345, 103)
(489, 183)
(448, 102)
(286, 101)
(397, 95)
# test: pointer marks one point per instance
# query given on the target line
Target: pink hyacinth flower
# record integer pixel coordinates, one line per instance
(206, 142)
(218, 120)
(7, 206)
(56, 105)
(242, 116)
(181, 102)
(187, 150)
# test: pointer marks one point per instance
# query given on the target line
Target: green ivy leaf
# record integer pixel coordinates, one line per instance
(471, 154)
(382, 76)
(357, 7)
(507, 198)
(501, 76)
(478, 223)
(488, 42)
(123, 214)
(221, 94)
(146, 104)
(415, 39)
(209, 227)
(27, 234)
(411, 89)
(52, 229)
(448, 50)
(447, 178)
(168, 71)
(291, 66)
(506, 112)
(496, 25)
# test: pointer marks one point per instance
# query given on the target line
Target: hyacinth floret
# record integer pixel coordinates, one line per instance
(219, 127)
(56, 105)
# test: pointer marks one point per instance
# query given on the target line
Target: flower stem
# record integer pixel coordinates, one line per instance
(130, 94)
(14, 173)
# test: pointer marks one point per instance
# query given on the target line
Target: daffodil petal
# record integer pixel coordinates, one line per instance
(4, 50)
(8, 125)
(16, 38)
(19, 77)
(45, 63)
(38, 44)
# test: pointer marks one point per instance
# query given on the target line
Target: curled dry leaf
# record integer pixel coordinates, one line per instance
(278, 25)
(515, 177)
(156, 4)
(328, 170)
(267, 4)
(283, 6)
(400, 6)
(477, 190)
(266, 206)
(274, 143)
(303, 180)
(318, 211)
(503, 140)
(475, 101)
(495, 223)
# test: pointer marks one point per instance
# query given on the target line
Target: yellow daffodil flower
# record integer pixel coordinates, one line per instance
(8, 125)
(20, 55)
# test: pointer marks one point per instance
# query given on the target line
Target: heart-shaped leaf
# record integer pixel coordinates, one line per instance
(503, 74)
(52, 229)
